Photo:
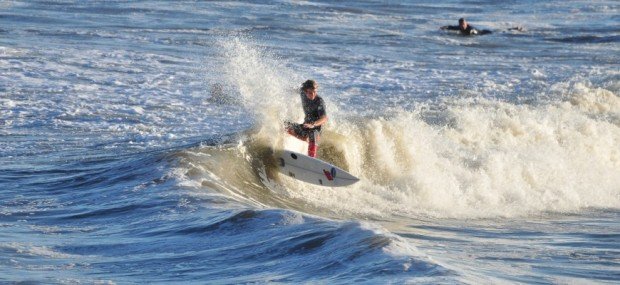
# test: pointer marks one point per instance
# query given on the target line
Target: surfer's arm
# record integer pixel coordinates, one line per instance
(322, 120)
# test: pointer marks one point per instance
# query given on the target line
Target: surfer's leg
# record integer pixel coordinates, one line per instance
(313, 143)
(297, 131)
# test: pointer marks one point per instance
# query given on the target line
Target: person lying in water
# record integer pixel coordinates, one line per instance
(466, 29)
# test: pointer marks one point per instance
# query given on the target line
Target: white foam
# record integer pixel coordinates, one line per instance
(493, 159)
(498, 159)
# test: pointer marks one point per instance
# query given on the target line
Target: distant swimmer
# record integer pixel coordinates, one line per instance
(518, 29)
(315, 117)
(466, 29)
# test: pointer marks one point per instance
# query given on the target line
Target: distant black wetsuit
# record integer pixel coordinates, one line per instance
(469, 31)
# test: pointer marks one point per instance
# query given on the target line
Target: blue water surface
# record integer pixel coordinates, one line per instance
(132, 142)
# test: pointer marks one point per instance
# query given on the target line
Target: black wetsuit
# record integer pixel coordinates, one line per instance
(313, 110)
(470, 30)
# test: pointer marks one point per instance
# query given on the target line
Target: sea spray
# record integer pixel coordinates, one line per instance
(266, 87)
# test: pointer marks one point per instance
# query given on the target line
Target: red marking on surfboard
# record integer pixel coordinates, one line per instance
(330, 174)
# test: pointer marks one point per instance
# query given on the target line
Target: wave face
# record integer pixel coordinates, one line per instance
(137, 141)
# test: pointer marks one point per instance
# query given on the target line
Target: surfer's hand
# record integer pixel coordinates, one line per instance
(309, 126)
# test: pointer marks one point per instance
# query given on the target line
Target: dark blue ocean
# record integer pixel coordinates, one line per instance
(136, 140)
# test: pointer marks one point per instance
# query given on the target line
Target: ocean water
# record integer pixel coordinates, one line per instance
(135, 138)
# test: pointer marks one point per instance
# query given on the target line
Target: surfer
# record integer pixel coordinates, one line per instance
(315, 117)
(466, 29)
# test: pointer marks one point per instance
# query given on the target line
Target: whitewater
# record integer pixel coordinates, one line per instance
(137, 141)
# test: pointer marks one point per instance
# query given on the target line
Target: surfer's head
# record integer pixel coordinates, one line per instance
(309, 84)
(309, 88)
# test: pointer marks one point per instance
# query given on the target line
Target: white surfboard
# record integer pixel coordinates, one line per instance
(312, 170)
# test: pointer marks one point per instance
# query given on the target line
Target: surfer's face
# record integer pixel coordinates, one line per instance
(310, 93)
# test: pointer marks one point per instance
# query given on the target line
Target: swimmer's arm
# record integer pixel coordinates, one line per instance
(451, 28)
